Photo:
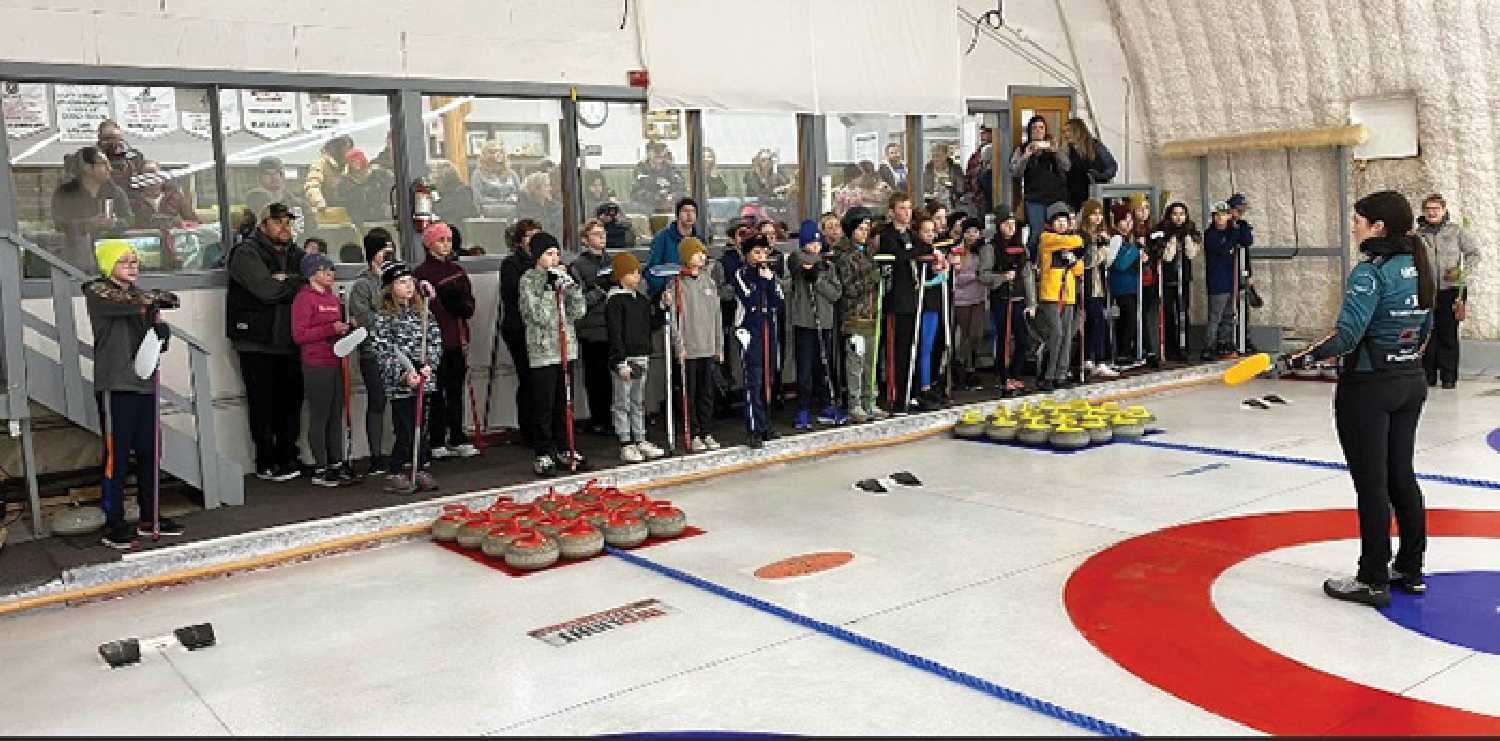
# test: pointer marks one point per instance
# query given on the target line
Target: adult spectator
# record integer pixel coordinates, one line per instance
(272, 189)
(1089, 161)
(596, 191)
(264, 277)
(764, 182)
(717, 188)
(125, 161)
(893, 170)
(979, 162)
(495, 183)
(364, 191)
(88, 206)
(1043, 170)
(619, 233)
(159, 203)
(1244, 237)
(455, 200)
(943, 178)
(1453, 256)
(664, 244)
(325, 173)
(657, 183)
(538, 201)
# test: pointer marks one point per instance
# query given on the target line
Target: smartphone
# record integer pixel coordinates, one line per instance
(109, 208)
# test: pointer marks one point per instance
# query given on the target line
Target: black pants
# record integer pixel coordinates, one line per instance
(447, 400)
(325, 414)
(702, 392)
(515, 342)
(760, 358)
(1176, 321)
(375, 403)
(812, 374)
(1441, 360)
(1019, 337)
(273, 395)
(1125, 341)
(596, 381)
(549, 409)
(896, 355)
(129, 423)
(404, 423)
(1377, 426)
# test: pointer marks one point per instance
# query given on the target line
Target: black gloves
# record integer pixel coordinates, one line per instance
(163, 299)
(164, 333)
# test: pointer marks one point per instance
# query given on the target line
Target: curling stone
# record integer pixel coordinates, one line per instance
(595, 516)
(1110, 407)
(77, 520)
(551, 501)
(624, 530)
(1140, 413)
(531, 551)
(1025, 409)
(551, 525)
(1001, 429)
(1047, 405)
(1034, 433)
(499, 538)
(471, 533)
(501, 502)
(445, 527)
(1128, 427)
(1069, 437)
(665, 521)
(1079, 405)
(633, 499)
(580, 540)
(970, 425)
(1099, 432)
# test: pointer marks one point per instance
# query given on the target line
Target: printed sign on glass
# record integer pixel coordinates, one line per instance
(269, 113)
(324, 111)
(146, 112)
(197, 124)
(80, 110)
(27, 111)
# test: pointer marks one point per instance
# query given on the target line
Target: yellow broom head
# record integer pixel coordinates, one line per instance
(1247, 369)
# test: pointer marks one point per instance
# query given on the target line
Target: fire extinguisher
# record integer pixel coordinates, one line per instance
(422, 197)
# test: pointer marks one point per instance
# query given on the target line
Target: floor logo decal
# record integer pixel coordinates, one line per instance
(588, 626)
(807, 563)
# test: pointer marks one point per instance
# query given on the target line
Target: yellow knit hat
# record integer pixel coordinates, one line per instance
(109, 252)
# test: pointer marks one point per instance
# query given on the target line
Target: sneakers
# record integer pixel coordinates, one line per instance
(543, 465)
(650, 449)
(858, 416)
(1354, 590)
(710, 443)
(631, 454)
(425, 482)
(1409, 583)
(832, 415)
(571, 459)
(279, 473)
(1103, 370)
(697, 445)
(877, 414)
(378, 466)
(756, 440)
(770, 434)
(325, 477)
(440, 452)
(167, 526)
(464, 450)
(804, 420)
(120, 539)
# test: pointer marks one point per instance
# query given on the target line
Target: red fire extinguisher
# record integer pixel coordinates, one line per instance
(422, 197)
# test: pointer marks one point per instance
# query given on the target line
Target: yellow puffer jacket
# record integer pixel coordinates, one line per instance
(1051, 276)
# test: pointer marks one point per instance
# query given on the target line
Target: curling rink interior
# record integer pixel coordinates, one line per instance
(1160, 590)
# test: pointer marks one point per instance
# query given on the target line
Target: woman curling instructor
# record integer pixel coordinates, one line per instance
(1381, 333)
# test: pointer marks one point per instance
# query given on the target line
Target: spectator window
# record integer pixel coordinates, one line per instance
(750, 165)
(328, 156)
(635, 158)
(147, 176)
(493, 161)
(947, 176)
(866, 159)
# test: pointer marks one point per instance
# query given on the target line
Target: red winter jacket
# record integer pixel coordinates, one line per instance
(313, 315)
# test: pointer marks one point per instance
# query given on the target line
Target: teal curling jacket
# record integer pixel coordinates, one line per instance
(1381, 329)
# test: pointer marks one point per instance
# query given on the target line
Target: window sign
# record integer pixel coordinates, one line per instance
(80, 110)
(271, 114)
(27, 111)
(146, 112)
(197, 124)
(323, 111)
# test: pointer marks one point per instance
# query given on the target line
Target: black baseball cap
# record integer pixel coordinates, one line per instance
(277, 211)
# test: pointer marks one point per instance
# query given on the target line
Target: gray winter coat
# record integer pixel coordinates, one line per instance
(698, 324)
(809, 303)
(120, 318)
(364, 300)
(585, 269)
(1446, 244)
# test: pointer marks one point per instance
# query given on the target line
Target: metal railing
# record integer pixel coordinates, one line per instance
(60, 384)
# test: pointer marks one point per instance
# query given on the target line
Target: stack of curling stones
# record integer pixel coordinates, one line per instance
(557, 526)
(1062, 425)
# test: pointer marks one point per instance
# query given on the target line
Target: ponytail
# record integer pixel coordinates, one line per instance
(1426, 282)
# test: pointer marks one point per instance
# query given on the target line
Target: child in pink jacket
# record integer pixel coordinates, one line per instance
(317, 322)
